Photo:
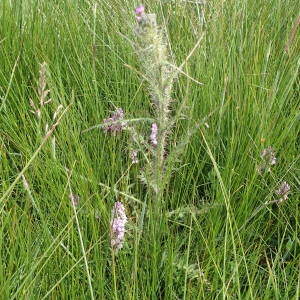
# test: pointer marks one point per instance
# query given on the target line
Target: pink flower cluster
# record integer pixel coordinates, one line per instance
(153, 136)
(139, 12)
(117, 223)
(116, 126)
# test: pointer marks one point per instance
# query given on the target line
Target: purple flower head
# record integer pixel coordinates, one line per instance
(116, 127)
(144, 21)
(269, 159)
(139, 11)
(268, 155)
(117, 223)
(153, 136)
(283, 190)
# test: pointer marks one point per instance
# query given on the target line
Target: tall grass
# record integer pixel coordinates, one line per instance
(218, 231)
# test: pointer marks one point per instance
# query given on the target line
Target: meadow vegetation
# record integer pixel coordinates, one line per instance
(159, 162)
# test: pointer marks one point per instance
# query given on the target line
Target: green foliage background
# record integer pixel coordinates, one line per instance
(213, 236)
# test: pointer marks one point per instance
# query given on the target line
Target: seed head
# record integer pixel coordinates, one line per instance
(134, 157)
(74, 199)
(283, 190)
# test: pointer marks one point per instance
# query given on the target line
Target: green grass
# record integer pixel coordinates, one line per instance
(212, 236)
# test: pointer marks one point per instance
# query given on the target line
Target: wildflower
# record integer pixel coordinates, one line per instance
(117, 223)
(134, 157)
(139, 12)
(74, 199)
(153, 136)
(269, 159)
(144, 20)
(283, 190)
(114, 128)
(268, 155)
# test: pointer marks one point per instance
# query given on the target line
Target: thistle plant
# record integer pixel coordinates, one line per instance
(159, 75)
